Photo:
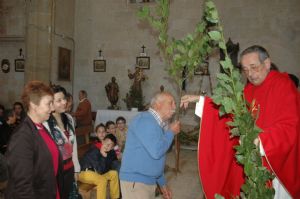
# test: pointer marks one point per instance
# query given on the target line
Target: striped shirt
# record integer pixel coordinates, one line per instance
(161, 123)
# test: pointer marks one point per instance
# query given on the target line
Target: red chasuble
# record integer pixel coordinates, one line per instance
(219, 171)
(279, 116)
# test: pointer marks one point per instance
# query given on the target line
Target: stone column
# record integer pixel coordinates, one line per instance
(38, 39)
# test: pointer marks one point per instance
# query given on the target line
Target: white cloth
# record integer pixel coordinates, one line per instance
(199, 106)
(280, 192)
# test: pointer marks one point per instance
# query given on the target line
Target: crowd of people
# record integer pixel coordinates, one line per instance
(39, 153)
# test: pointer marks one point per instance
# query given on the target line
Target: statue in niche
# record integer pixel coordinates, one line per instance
(232, 50)
(135, 98)
(112, 92)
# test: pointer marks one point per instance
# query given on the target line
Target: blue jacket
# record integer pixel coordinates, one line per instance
(145, 151)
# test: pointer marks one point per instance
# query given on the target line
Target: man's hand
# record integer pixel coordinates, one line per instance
(175, 127)
(186, 99)
(167, 194)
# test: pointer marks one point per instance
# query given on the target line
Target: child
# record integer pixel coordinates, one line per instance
(96, 168)
(100, 133)
(110, 128)
(121, 132)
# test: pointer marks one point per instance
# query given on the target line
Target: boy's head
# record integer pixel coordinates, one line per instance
(121, 123)
(110, 127)
(100, 131)
(109, 142)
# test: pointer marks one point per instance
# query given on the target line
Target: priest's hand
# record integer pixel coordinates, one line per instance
(186, 99)
(175, 127)
(167, 194)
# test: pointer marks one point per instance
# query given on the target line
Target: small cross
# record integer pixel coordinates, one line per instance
(100, 51)
(143, 47)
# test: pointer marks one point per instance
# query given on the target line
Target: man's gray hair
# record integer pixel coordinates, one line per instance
(262, 52)
(158, 97)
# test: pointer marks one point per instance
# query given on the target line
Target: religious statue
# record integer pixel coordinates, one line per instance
(112, 92)
(232, 50)
(135, 98)
(138, 77)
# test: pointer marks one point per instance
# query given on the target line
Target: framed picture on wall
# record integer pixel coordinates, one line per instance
(143, 62)
(99, 65)
(64, 64)
(19, 65)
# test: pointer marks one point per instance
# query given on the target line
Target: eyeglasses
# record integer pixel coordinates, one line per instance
(252, 69)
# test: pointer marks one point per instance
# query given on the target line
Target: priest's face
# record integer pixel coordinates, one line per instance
(255, 70)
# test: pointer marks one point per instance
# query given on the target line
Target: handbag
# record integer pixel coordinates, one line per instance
(74, 194)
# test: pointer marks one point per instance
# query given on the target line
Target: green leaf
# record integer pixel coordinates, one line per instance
(215, 35)
(183, 63)
(232, 123)
(143, 12)
(181, 49)
(223, 77)
(226, 64)
(228, 104)
(214, 15)
(190, 53)
(201, 27)
(210, 5)
(239, 87)
(217, 99)
(218, 196)
(170, 50)
(222, 45)
(235, 132)
(240, 158)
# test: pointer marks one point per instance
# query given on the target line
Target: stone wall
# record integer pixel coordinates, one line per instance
(12, 32)
(38, 18)
(114, 27)
(85, 26)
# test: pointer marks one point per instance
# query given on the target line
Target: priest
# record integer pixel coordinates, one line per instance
(278, 103)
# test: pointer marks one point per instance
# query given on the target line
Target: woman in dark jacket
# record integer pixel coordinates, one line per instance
(34, 162)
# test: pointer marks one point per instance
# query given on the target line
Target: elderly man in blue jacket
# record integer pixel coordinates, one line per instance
(148, 139)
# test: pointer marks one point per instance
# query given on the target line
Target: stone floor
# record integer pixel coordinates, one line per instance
(185, 184)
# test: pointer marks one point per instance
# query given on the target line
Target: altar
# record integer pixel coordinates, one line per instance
(104, 115)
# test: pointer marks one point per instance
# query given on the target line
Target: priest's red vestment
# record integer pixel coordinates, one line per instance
(279, 118)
